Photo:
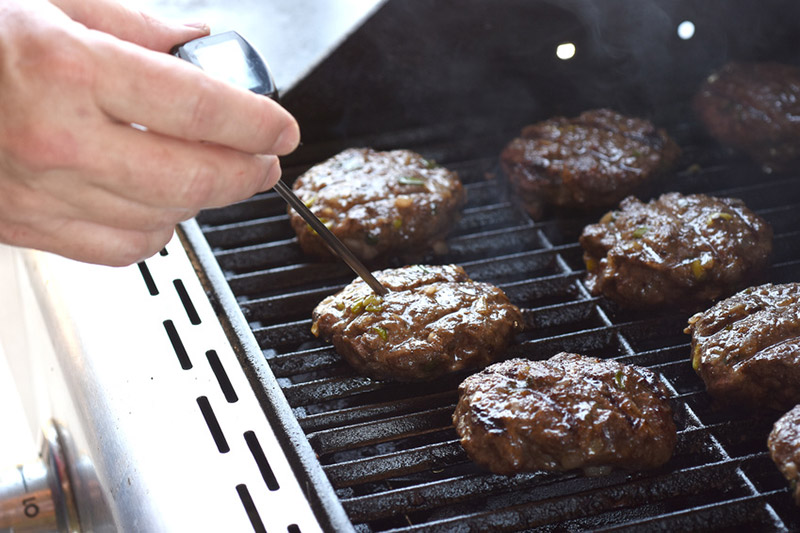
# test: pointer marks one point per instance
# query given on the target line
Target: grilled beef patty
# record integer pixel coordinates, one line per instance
(593, 160)
(433, 320)
(754, 107)
(677, 250)
(784, 448)
(568, 412)
(378, 202)
(747, 348)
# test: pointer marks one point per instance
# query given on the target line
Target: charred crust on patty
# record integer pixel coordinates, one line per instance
(378, 203)
(746, 348)
(784, 448)
(678, 250)
(589, 161)
(753, 107)
(568, 412)
(434, 320)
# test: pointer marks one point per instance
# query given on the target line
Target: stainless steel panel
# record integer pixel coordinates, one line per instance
(144, 453)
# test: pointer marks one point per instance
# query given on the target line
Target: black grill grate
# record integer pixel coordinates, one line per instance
(389, 450)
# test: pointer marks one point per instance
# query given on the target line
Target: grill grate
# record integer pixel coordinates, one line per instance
(389, 450)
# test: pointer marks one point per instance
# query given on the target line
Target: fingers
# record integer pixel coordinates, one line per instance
(175, 98)
(129, 178)
(113, 17)
(32, 219)
(165, 172)
(89, 242)
(70, 198)
(168, 95)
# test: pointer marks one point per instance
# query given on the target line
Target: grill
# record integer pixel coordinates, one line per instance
(384, 456)
(380, 456)
(389, 450)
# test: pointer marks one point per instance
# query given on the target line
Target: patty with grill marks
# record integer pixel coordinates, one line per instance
(433, 320)
(677, 250)
(746, 348)
(590, 161)
(784, 448)
(754, 108)
(378, 203)
(570, 411)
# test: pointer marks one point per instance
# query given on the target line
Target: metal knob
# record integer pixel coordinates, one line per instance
(36, 497)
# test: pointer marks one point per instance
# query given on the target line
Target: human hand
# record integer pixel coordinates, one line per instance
(76, 178)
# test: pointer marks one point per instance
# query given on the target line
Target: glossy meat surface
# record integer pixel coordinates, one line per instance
(568, 412)
(433, 320)
(378, 202)
(746, 348)
(784, 448)
(593, 160)
(755, 108)
(678, 250)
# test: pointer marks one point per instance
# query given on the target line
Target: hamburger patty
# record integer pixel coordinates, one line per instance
(754, 107)
(433, 320)
(677, 250)
(593, 160)
(568, 412)
(378, 202)
(746, 348)
(784, 448)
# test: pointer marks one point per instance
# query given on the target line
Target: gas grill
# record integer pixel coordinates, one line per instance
(372, 456)
(389, 450)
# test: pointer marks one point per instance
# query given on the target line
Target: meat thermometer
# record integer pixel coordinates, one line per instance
(229, 57)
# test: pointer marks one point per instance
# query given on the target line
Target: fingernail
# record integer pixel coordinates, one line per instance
(197, 25)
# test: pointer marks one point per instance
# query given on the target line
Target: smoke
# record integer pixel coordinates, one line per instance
(419, 62)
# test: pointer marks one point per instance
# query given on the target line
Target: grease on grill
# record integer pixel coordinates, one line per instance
(753, 107)
(434, 320)
(784, 448)
(568, 412)
(593, 160)
(678, 250)
(378, 202)
(746, 348)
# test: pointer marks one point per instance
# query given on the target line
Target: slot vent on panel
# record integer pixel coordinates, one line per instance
(148, 278)
(222, 377)
(250, 509)
(186, 300)
(213, 425)
(261, 460)
(177, 345)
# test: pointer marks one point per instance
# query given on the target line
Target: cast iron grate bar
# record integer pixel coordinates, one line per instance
(334, 439)
(390, 451)
(396, 407)
(432, 457)
(628, 500)
(553, 495)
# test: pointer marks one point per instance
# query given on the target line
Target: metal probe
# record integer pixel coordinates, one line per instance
(230, 57)
(330, 239)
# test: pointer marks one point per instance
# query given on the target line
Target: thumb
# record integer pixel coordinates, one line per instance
(129, 24)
